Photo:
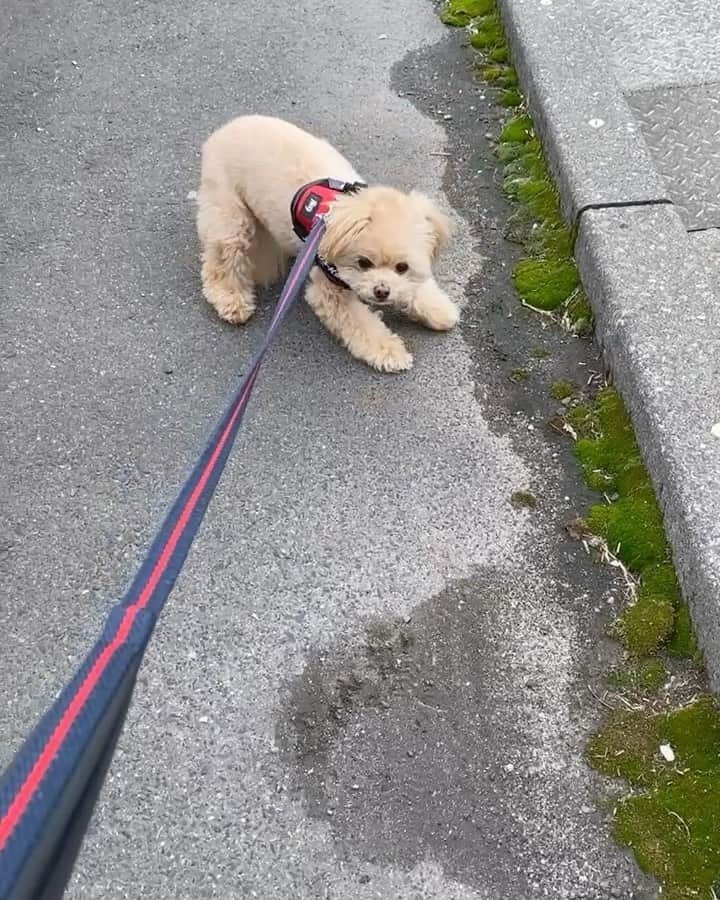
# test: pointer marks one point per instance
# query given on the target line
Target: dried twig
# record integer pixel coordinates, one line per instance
(542, 312)
(599, 698)
(681, 821)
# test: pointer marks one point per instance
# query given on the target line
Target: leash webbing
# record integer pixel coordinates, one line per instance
(48, 792)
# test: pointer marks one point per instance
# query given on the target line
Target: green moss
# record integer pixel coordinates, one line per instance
(673, 823)
(645, 625)
(581, 418)
(616, 424)
(545, 283)
(532, 156)
(488, 35)
(518, 130)
(540, 196)
(500, 74)
(509, 78)
(562, 390)
(646, 675)
(660, 582)
(579, 314)
(673, 827)
(631, 524)
(611, 460)
(510, 151)
(682, 644)
(673, 832)
(548, 279)
(625, 746)
(694, 733)
(459, 13)
(509, 97)
(519, 374)
(519, 226)
(491, 73)
(652, 619)
(539, 353)
(628, 744)
(552, 242)
(633, 528)
(499, 54)
(524, 499)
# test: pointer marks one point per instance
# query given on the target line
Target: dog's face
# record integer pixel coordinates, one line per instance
(383, 243)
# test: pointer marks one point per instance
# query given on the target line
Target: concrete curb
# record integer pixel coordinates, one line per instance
(595, 148)
(653, 294)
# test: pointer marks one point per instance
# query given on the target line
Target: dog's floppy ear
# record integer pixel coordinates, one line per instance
(439, 229)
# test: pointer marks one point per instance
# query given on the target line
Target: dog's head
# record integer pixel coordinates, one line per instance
(383, 243)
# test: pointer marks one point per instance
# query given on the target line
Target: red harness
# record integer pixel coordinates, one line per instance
(313, 200)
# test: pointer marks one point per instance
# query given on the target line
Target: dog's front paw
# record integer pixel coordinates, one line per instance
(434, 308)
(443, 316)
(390, 355)
(236, 315)
(231, 305)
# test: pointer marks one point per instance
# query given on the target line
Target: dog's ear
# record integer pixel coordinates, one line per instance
(439, 228)
(345, 223)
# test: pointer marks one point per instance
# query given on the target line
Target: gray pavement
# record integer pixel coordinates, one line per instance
(627, 95)
(372, 678)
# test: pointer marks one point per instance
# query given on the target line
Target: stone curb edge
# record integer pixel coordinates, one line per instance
(654, 297)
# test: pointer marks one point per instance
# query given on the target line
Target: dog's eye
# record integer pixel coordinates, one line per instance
(401, 268)
(364, 263)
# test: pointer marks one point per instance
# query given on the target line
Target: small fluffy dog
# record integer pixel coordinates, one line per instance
(381, 242)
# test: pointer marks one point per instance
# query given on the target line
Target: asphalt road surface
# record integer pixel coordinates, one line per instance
(371, 680)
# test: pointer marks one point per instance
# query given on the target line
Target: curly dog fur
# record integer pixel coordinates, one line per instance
(382, 241)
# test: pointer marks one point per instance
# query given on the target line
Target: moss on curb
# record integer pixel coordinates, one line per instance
(548, 278)
(673, 825)
(581, 418)
(643, 676)
(631, 524)
(673, 833)
(545, 283)
(517, 131)
(672, 820)
(486, 33)
(509, 97)
(682, 644)
(645, 625)
(628, 745)
(459, 13)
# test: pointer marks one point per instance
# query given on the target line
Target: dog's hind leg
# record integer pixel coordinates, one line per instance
(227, 236)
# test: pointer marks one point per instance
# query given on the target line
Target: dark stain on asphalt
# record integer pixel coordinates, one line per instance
(420, 740)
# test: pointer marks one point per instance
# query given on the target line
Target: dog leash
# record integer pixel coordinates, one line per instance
(49, 791)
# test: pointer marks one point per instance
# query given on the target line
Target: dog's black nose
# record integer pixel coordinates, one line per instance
(381, 292)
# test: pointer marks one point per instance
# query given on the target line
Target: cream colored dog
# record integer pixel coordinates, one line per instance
(381, 241)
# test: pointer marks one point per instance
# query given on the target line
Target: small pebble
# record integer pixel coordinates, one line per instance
(667, 752)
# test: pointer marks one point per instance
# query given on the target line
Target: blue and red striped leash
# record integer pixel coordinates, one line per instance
(48, 792)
